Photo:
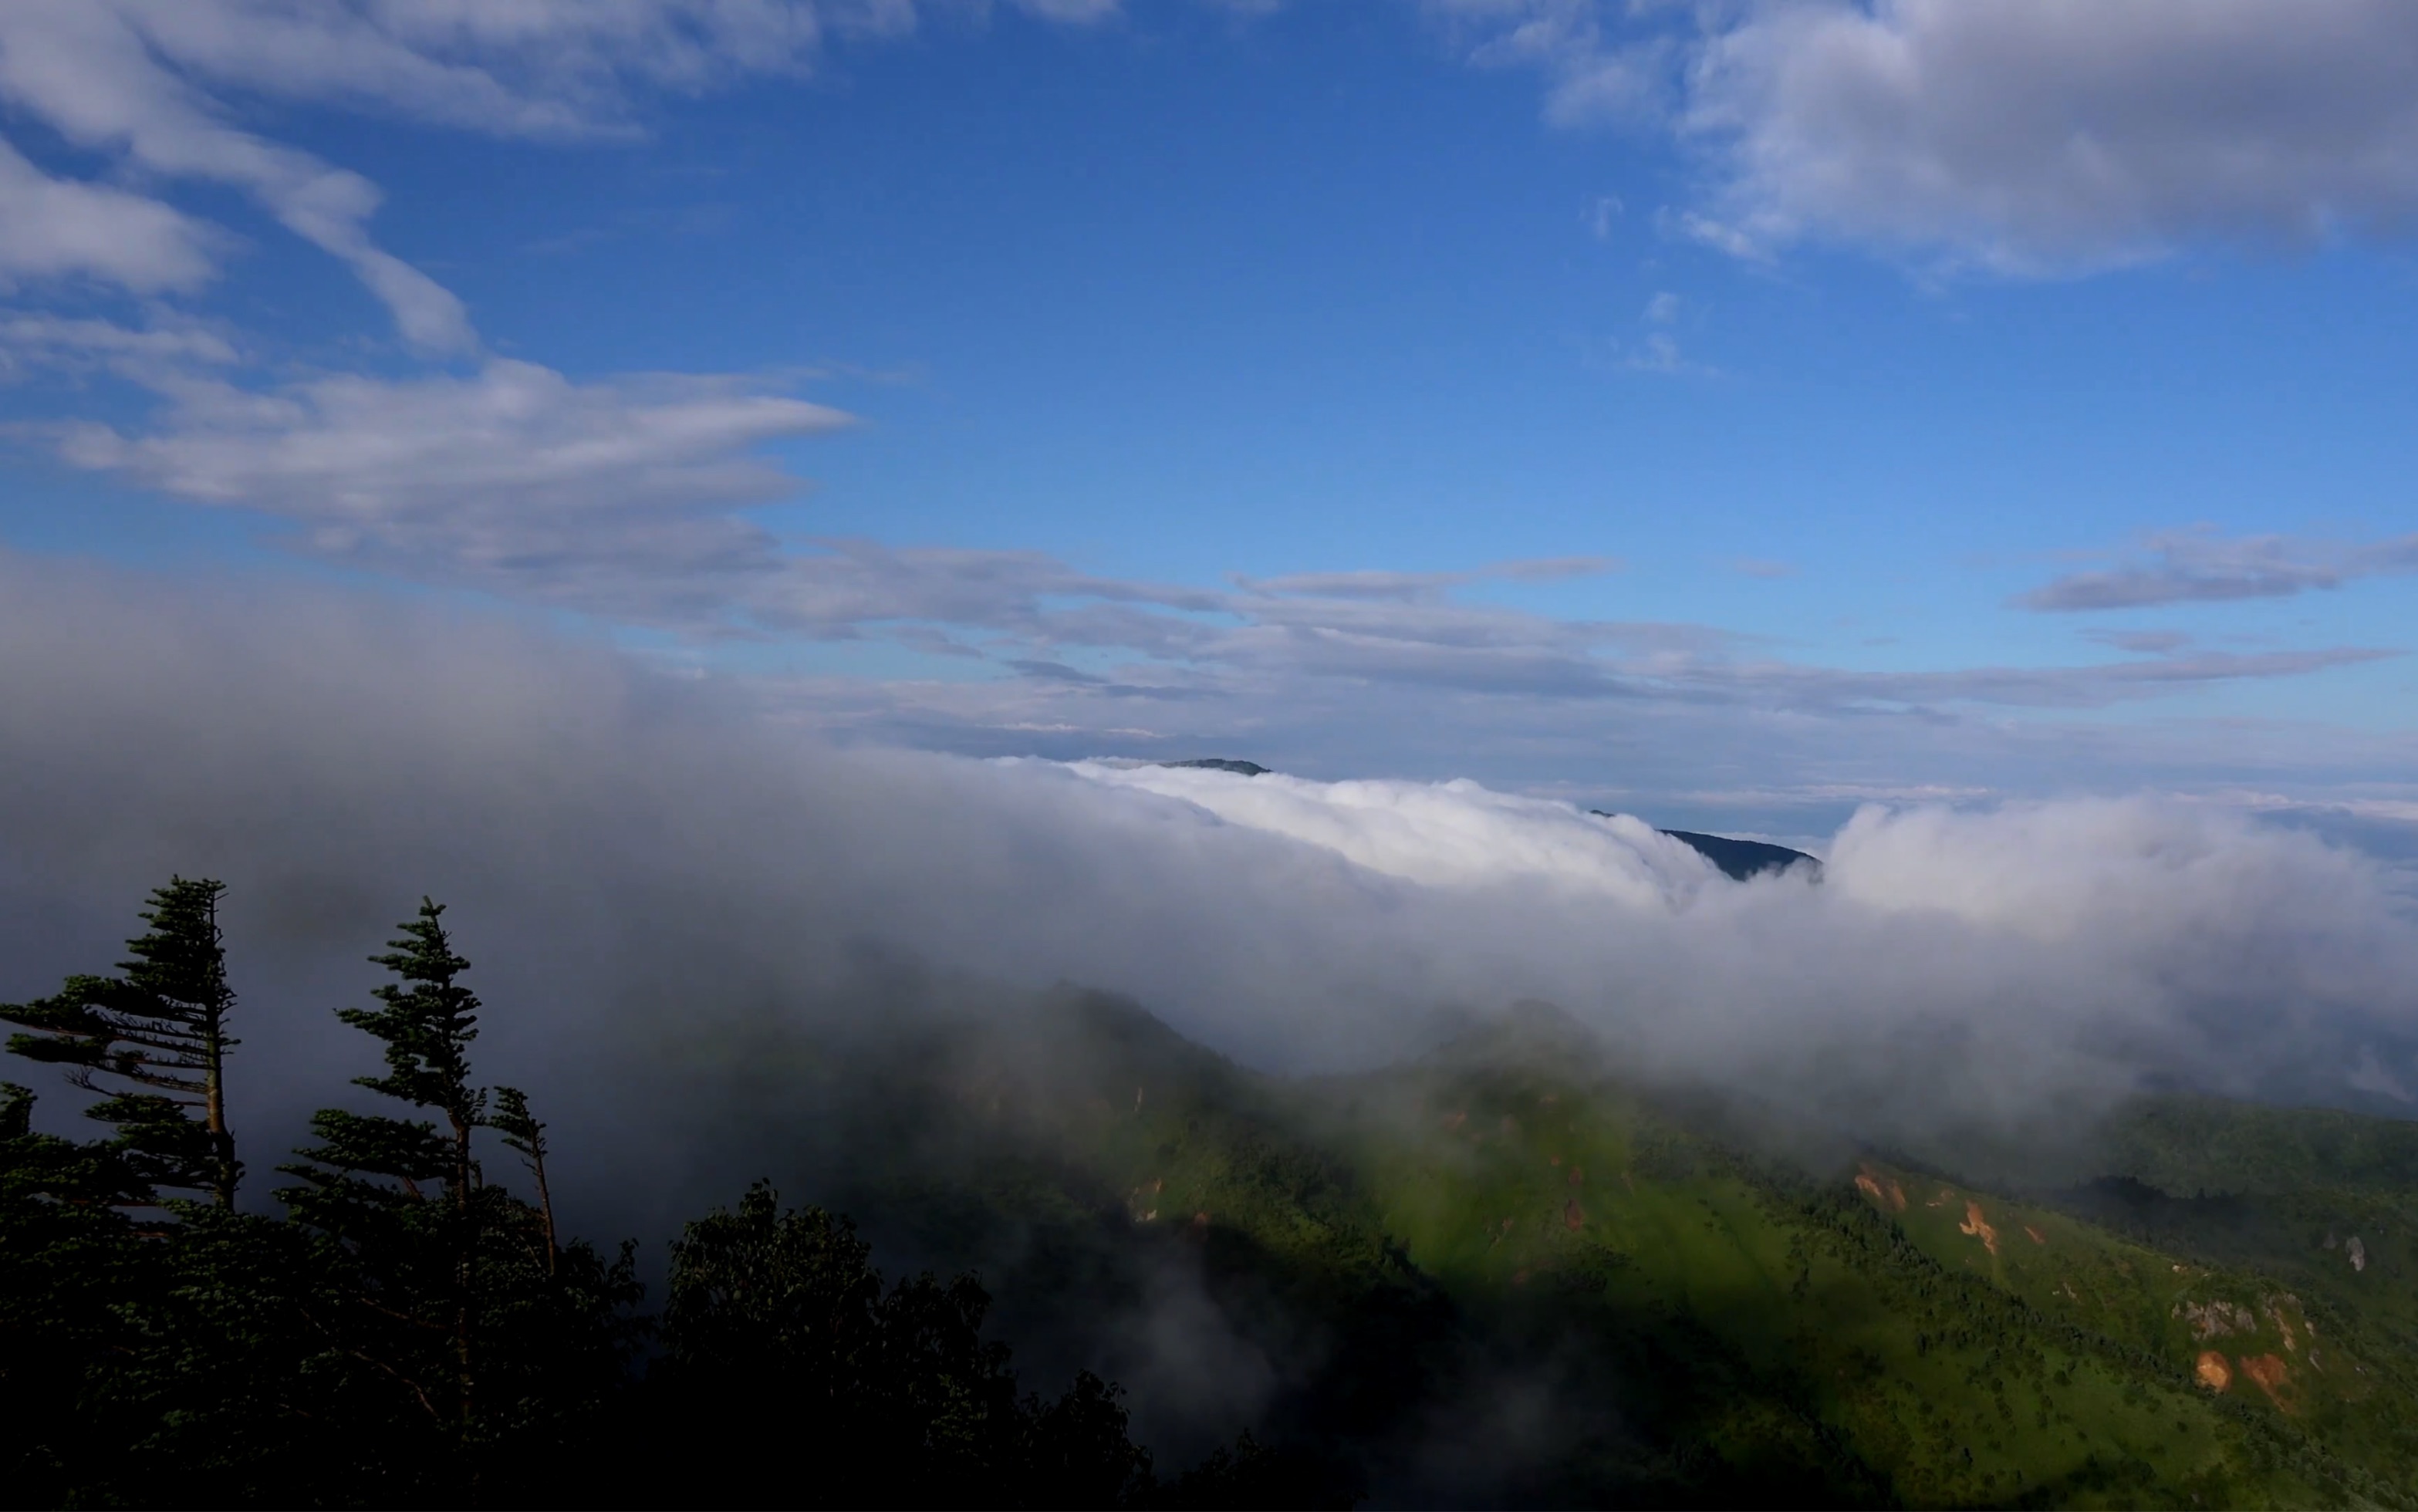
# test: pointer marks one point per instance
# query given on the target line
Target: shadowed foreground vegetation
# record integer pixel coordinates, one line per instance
(413, 1333)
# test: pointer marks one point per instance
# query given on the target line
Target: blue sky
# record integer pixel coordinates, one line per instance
(1733, 412)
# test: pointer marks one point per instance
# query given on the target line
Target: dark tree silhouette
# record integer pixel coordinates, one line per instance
(153, 1042)
(447, 1288)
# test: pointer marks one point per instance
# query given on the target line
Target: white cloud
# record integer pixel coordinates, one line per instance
(626, 498)
(1658, 353)
(518, 68)
(161, 351)
(631, 859)
(2144, 642)
(2021, 136)
(1720, 235)
(53, 229)
(514, 478)
(1456, 834)
(2051, 135)
(1080, 12)
(2201, 566)
(1423, 586)
(85, 70)
(621, 497)
(513, 439)
(2063, 134)
(156, 82)
(1432, 674)
(1595, 69)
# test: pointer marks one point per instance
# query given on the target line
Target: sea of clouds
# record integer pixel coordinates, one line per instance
(636, 861)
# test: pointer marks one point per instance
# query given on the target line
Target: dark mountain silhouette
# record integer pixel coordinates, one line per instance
(1240, 769)
(1737, 858)
(1742, 859)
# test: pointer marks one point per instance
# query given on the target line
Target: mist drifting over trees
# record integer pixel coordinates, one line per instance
(713, 950)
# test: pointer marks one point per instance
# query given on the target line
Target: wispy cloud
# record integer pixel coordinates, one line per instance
(1598, 68)
(2201, 566)
(157, 352)
(1429, 587)
(1658, 351)
(150, 85)
(53, 229)
(2141, 642)
(629, 499)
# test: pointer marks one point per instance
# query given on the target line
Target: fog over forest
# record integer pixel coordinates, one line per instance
(638, 863)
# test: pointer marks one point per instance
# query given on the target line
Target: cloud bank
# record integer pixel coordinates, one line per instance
(643, 867)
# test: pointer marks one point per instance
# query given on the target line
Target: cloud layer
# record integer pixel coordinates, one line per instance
(643, 867)
(627, 500)
(627, 497)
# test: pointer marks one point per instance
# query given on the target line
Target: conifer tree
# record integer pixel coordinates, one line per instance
(489, 1341)
(778, 1327)
(367, 1179)
(428, 1022)
(70, 1267)
(153, 1042)
(525, 1136)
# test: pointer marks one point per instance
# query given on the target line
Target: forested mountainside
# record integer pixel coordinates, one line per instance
(1505, 1272)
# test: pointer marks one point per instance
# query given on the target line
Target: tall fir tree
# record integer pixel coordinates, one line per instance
(454, 1291)
(428, 1022)
(153, 1042)
(365, 1181)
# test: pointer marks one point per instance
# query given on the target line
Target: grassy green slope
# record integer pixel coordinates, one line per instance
(1503, 1274)
(1951, 1365)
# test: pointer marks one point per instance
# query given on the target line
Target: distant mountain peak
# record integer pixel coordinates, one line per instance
(1743, 859)
(1240, 768)
(1739, 860)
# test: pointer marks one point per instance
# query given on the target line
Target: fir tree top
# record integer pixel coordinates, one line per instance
(427, 1020)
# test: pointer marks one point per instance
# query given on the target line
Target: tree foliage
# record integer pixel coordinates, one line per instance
(412, 1334)
(779, 1329)
(153, 1042)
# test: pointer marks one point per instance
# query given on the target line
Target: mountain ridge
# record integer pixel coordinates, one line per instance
(1383, 1259)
